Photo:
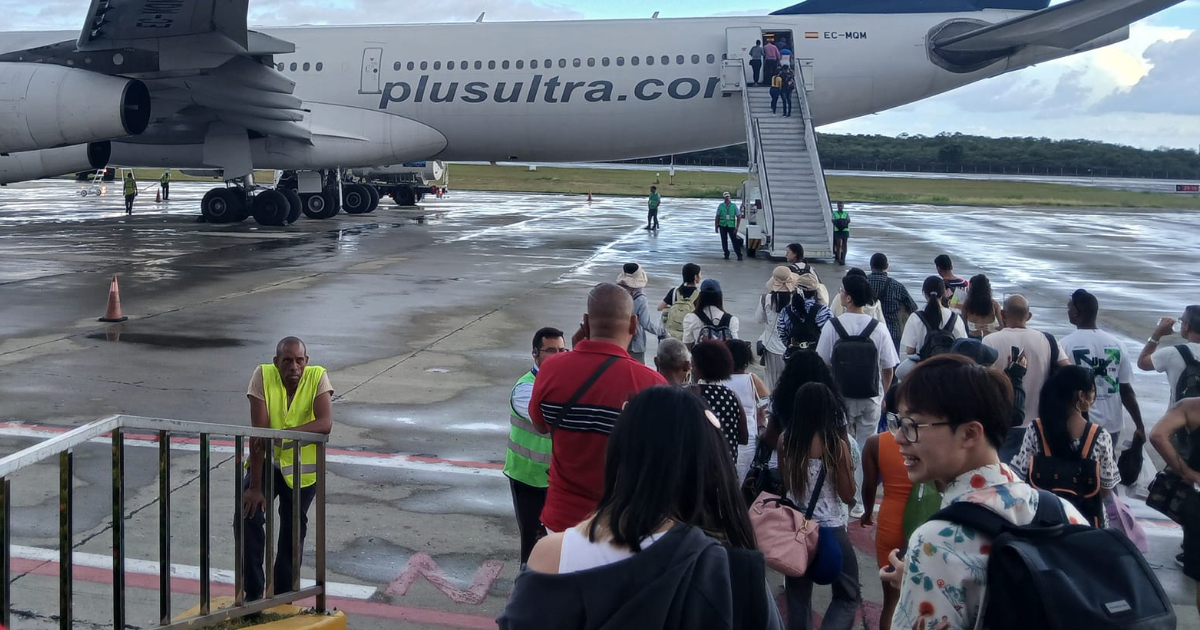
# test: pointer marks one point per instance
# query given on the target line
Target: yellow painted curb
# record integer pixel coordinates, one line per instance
(335, 620)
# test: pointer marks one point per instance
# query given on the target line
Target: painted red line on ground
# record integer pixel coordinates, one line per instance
(378, 610)
(230, 444)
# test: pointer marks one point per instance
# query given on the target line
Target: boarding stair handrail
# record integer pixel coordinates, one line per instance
(810, 143)
(758, 161)
(116, 429)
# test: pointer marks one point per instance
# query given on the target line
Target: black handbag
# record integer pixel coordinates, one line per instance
(1168, 494)
(1129, 464)
(761, 477)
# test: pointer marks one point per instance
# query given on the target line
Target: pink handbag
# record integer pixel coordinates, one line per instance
(787, 537)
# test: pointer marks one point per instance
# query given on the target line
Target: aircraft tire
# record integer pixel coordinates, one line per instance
(315, 205)
(295, 206)
(356, 199)
(332, 205)
(271, 207)
(374, 192)
(221, 205)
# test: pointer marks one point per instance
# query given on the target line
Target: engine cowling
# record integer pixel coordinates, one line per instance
(46, 106)
(29, 165)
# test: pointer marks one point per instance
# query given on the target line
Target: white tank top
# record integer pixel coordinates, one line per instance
(743, 386)
(580, 554)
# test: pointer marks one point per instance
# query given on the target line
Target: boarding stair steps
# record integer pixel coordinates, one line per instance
(790, 175)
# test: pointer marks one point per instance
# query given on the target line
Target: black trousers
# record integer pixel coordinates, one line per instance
(727, 234)
(129, 204)
(652, 218)
(166, 191)
(770, 69)
(528, 502)
(756, 66)
(787, 102)
(256, 538)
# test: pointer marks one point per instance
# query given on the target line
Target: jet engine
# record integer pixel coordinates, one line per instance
(44, 106)
(29, 165)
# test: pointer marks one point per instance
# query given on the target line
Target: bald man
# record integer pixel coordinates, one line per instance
(1042, 352)
(287, 393)
(577, 398)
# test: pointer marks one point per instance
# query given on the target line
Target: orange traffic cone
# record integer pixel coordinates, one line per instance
(589, 196)
(158, 196)
(113, 314)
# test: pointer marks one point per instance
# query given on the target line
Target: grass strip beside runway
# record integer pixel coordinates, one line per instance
(581, 181)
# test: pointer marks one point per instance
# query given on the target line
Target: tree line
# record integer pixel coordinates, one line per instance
(956, 152)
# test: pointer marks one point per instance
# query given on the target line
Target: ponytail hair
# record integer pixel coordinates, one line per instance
(934, 288)
(1056, 403)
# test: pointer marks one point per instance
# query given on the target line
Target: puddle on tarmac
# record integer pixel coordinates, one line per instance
(179, 342)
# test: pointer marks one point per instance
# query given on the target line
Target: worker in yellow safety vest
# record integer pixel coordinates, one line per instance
(287, 393)
(165, 182)
(130, 192)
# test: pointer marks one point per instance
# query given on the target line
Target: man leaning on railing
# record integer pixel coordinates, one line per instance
(285, 394)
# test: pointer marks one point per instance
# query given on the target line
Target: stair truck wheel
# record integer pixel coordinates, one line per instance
(356, 199)
(221, 205)
(270, 207)
(404, 195)
(295, 205)
(374, 192)
(315, 205)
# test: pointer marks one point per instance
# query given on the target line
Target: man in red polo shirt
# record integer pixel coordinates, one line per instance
(578, 396)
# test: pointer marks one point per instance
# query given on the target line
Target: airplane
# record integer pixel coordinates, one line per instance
(185, 84)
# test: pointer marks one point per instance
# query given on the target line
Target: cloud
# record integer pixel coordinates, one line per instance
(1172, 85)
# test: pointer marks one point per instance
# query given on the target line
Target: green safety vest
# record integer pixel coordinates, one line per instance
(841, 215)
(130, 187)
(654, 201)
(528, 458)
(166, 177)
(727, 214)
(285, 417)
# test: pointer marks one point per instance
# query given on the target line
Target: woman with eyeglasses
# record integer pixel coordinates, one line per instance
(814, 459)
(670, 544)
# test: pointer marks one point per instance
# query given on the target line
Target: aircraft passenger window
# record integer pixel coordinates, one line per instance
(411, 65)
(695, 60)
(479, 65)
(635, 61)
(520, 64)
(491, 65)
(679, 60)
(424, 65)
(279, 67)
(712, 58)
(464, 65)
(620, 61)
(666, 60)
(449, 65)
(533, 64)
(396, 66)
(437, 65)
(649, 60)
(724, 56)
(321, 66)
(604, 62)
(549, 63)
(293, 66)
(577, 63)
(306, 66)
(504, 64)
(591, 62)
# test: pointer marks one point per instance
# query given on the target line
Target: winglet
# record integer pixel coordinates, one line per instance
(480, 18)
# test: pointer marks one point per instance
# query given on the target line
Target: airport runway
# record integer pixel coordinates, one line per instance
(425, 326)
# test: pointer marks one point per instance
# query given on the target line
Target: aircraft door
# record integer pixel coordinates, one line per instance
(738, 42)
(809, 73)
(371, 64)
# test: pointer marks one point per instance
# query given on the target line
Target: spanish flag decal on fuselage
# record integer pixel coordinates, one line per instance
(812, 35)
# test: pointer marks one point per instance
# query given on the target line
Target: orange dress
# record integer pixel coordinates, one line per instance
(896, 488)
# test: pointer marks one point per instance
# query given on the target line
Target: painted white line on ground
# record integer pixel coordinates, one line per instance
(397, 462)
(184, 571)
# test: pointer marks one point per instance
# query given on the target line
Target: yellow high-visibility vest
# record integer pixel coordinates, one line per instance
(285, 417)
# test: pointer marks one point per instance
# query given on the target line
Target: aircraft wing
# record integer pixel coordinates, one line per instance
(119, 23)
(1065, 26)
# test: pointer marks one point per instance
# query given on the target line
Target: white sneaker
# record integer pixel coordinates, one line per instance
(857, 511)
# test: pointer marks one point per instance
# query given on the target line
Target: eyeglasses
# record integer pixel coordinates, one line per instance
(552, 350)
(909, 427)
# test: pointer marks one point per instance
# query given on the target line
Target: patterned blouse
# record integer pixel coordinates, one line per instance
(727, 408)
(946, 565)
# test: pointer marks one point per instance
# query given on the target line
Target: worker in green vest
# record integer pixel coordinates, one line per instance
(841, 233)
(130, 192)
(527, 463)
(652, 202)
(165, 182)
(727, 223)
(287, 393)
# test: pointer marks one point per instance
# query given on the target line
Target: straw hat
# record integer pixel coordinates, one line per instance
(632, 276)
(782, 279)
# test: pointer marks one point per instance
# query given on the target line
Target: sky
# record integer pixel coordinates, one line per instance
(1143, 92)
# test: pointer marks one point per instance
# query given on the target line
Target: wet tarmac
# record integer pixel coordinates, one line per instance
(424, 326)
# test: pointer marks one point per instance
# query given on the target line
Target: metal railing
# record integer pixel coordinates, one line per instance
(810, 141)
(115, 427)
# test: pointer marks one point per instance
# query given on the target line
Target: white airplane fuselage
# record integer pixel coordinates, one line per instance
(571, 91)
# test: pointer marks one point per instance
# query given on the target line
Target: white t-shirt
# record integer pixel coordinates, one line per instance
(855, 323)
(692, 323)
(1167, 359)
(914, 330)
(1037, 353)
(1096, 349)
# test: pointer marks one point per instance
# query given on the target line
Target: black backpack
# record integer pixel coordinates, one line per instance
(1051, 574)
(803, 334)
(1188, 385)
(938, 340)
(719, 331)
(855, 360)
(1076, 480)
